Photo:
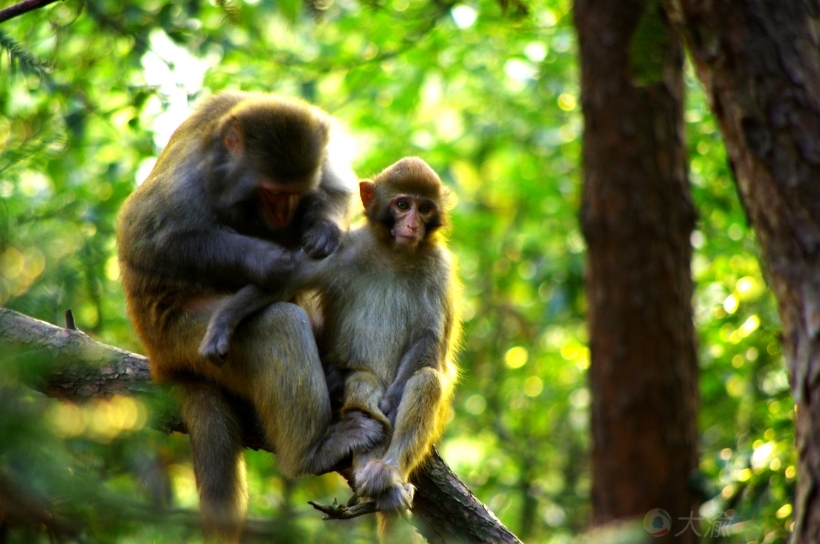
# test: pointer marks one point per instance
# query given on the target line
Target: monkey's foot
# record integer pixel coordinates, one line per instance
(354, 432)
(341, 511)
(382, 481)
(396, 498)
(375, 477)
(362, 432)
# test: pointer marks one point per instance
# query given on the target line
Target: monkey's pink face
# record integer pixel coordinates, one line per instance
(278, 203)
(412, 216)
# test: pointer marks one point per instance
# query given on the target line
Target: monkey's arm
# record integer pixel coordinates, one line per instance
(311, 273)
(248, 300)
(214, 256)
(252, 298)
(424, 352)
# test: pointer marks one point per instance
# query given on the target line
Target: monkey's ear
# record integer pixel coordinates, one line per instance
(367, 189)
(234, 139)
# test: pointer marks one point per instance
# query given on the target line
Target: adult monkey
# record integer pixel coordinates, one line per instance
(243, 182)
(388, 299)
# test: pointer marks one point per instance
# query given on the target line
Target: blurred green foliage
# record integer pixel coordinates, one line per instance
(489, 97)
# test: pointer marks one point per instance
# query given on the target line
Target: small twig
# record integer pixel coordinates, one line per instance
(23, 7)
(340, 511)
(69, 320)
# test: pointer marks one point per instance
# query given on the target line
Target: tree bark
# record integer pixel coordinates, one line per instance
(760, 63)
(444, 509)
(637, 216)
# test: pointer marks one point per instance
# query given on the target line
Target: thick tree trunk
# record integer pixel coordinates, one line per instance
(760, 63)
(444, 509)
(637, 218)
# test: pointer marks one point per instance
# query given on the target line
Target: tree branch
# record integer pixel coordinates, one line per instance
(23, 7)
(342, 511)
(444, 509)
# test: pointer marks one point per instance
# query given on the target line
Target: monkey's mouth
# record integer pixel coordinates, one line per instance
(405, 240)
(279, 206)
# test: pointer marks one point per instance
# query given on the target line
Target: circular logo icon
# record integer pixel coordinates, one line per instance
(657, 522)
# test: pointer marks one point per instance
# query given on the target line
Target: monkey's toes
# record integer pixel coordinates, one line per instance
(369, 431)
(375, 478)
(362, 432)
(389, 406)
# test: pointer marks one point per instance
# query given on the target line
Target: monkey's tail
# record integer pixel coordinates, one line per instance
(386, 524)
(395, 527)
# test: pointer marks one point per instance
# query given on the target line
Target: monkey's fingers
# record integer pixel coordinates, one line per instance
(215, 348)
(340, 511)
(321, 240)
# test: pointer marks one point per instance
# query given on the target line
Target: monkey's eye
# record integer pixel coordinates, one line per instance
(425, 208)
(402, 205)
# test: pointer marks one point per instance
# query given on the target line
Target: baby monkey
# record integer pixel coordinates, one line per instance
(387, 300)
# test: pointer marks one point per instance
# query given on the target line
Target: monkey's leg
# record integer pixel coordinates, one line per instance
(362, 429)
(363, 391)
(419, 420)
(274, 363)
(418, 423)
(424, 352)
(219, 460)
(171, 340)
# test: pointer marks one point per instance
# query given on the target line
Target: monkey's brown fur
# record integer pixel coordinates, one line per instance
(390, 324)
(243, 182)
